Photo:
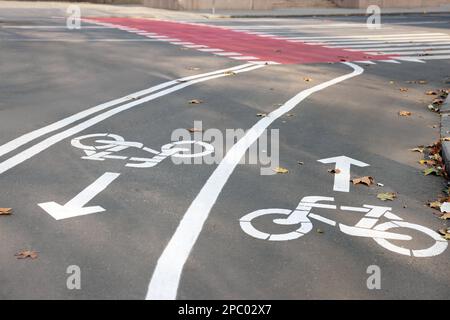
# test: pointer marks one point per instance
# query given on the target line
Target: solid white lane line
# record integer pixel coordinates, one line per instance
(166, 276)
(28, 137)
(43, 145)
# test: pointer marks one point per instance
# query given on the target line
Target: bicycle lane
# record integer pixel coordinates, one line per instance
(115, 249)
(326, 263)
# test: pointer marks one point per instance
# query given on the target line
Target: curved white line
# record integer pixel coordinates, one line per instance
(48, 142)
(30, 136)
(167, 274)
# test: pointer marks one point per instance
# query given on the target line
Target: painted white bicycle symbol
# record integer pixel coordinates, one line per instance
(367, 227)
(106, 145)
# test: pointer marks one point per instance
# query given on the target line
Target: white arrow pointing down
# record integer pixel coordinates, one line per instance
(75, 207)
(342, 179)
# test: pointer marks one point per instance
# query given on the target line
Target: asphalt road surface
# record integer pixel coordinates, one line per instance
(138, 225)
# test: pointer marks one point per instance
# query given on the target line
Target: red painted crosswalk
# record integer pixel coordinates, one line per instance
(247, 45)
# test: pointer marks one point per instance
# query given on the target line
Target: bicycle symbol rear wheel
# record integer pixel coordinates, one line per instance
(305, 225)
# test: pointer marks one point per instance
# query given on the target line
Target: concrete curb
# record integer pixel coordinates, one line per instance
(309, 15)
(445, 132)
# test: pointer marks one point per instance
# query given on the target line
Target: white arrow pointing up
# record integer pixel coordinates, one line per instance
(342, 179)
(75, 207)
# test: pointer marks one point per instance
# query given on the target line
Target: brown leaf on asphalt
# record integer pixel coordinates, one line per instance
(319, 231)
(230, 73)
(431, 93)
(433, 170)
(261, 114)
(195, 130)
(417, 149)
(387, 196)
(435, 205)
(195, 101)
(26, 254)
(307, 79)
(445, 233)
(404, 113)
(445, 216)
(334, 171)
(428, 162)
(368, 181)
(5, 211)
(281, 170)
(445, 139)
(403, 89)
(300, 163)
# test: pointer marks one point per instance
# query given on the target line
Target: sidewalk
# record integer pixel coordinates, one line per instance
(136, 10)
(310, 12)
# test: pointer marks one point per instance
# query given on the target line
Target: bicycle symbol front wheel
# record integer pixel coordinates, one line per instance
(177, 151)
(436, 249)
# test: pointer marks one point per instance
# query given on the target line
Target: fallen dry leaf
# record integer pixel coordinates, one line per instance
(428, 162)
(435, 205)
(403, 89)
(445, 233)
(195, 130)
(404, 113)
(5, 211)
(334, 171)
(261, 114)
(433, 170)
(307, 79)
(445, 216)
(431, 93)
(387, 196)
(363, 180)
(230, 73)
(195, 101)
(418, 149)
(300, 163)
(445, 139)
(281, 170)
(26, 254)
